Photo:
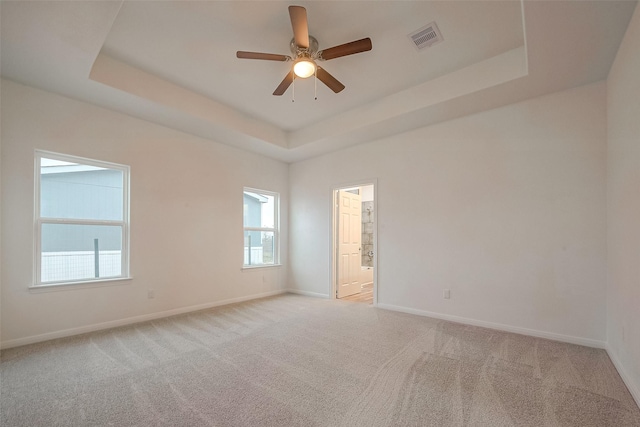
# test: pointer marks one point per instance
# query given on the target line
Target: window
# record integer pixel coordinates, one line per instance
(82, 219)
(260, 228)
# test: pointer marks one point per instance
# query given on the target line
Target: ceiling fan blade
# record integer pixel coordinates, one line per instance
(259, 55)
(350, 48)
(329, 80)
(284, 85)
(298, 15)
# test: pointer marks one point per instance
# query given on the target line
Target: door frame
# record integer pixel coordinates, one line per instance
(333, 247)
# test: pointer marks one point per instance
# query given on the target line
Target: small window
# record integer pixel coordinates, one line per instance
(82, 219)
(260, 215)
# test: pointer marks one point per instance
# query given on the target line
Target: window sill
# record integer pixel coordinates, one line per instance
(253, 267)
(66, 286)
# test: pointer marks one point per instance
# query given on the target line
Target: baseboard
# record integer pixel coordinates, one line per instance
(130, 320)
(498, 326)
(634, 389)
(307, 293)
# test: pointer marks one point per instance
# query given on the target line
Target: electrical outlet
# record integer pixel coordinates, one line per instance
(151, 294)
(446, 294)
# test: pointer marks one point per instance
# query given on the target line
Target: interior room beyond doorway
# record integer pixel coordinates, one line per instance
(354, 243)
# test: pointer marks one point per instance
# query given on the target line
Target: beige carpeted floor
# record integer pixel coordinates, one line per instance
(299, 361)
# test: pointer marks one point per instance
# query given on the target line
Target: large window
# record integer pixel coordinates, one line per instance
(82, 219)
(260, 228)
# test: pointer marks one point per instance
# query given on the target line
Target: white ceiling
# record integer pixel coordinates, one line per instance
(174, 62)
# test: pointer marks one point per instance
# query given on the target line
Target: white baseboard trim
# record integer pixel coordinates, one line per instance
(634, 389)
(130, 320)
(588, 342)
(307, 293)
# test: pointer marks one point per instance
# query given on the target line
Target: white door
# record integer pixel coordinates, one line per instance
(349, 237)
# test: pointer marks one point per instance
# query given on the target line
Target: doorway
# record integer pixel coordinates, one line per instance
(354, 243)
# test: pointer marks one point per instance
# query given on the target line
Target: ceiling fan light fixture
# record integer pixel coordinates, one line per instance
(304, 67)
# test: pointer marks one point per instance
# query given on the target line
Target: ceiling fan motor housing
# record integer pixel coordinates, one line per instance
(299, 52)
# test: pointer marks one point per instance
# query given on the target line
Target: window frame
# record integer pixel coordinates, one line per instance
(39, 221)
(275, 230)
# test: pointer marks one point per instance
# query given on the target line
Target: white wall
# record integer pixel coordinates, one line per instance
(623, 213)
(186, 216)
(367, 193)
(506, 208)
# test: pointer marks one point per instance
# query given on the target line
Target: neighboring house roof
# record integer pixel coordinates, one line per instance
(258, 197)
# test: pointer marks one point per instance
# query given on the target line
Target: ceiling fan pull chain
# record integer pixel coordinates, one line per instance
(315, 84)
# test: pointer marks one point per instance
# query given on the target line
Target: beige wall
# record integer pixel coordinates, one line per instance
(186, 216)
(505, 208)
(623, 207)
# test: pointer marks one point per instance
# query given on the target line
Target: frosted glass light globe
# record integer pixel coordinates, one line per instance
(304, 68)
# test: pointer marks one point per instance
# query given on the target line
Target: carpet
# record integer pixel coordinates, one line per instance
(292, 360)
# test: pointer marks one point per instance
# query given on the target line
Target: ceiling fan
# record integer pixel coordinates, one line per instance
(305, 53)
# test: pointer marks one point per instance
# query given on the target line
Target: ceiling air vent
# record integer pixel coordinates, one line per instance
(426, 36)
